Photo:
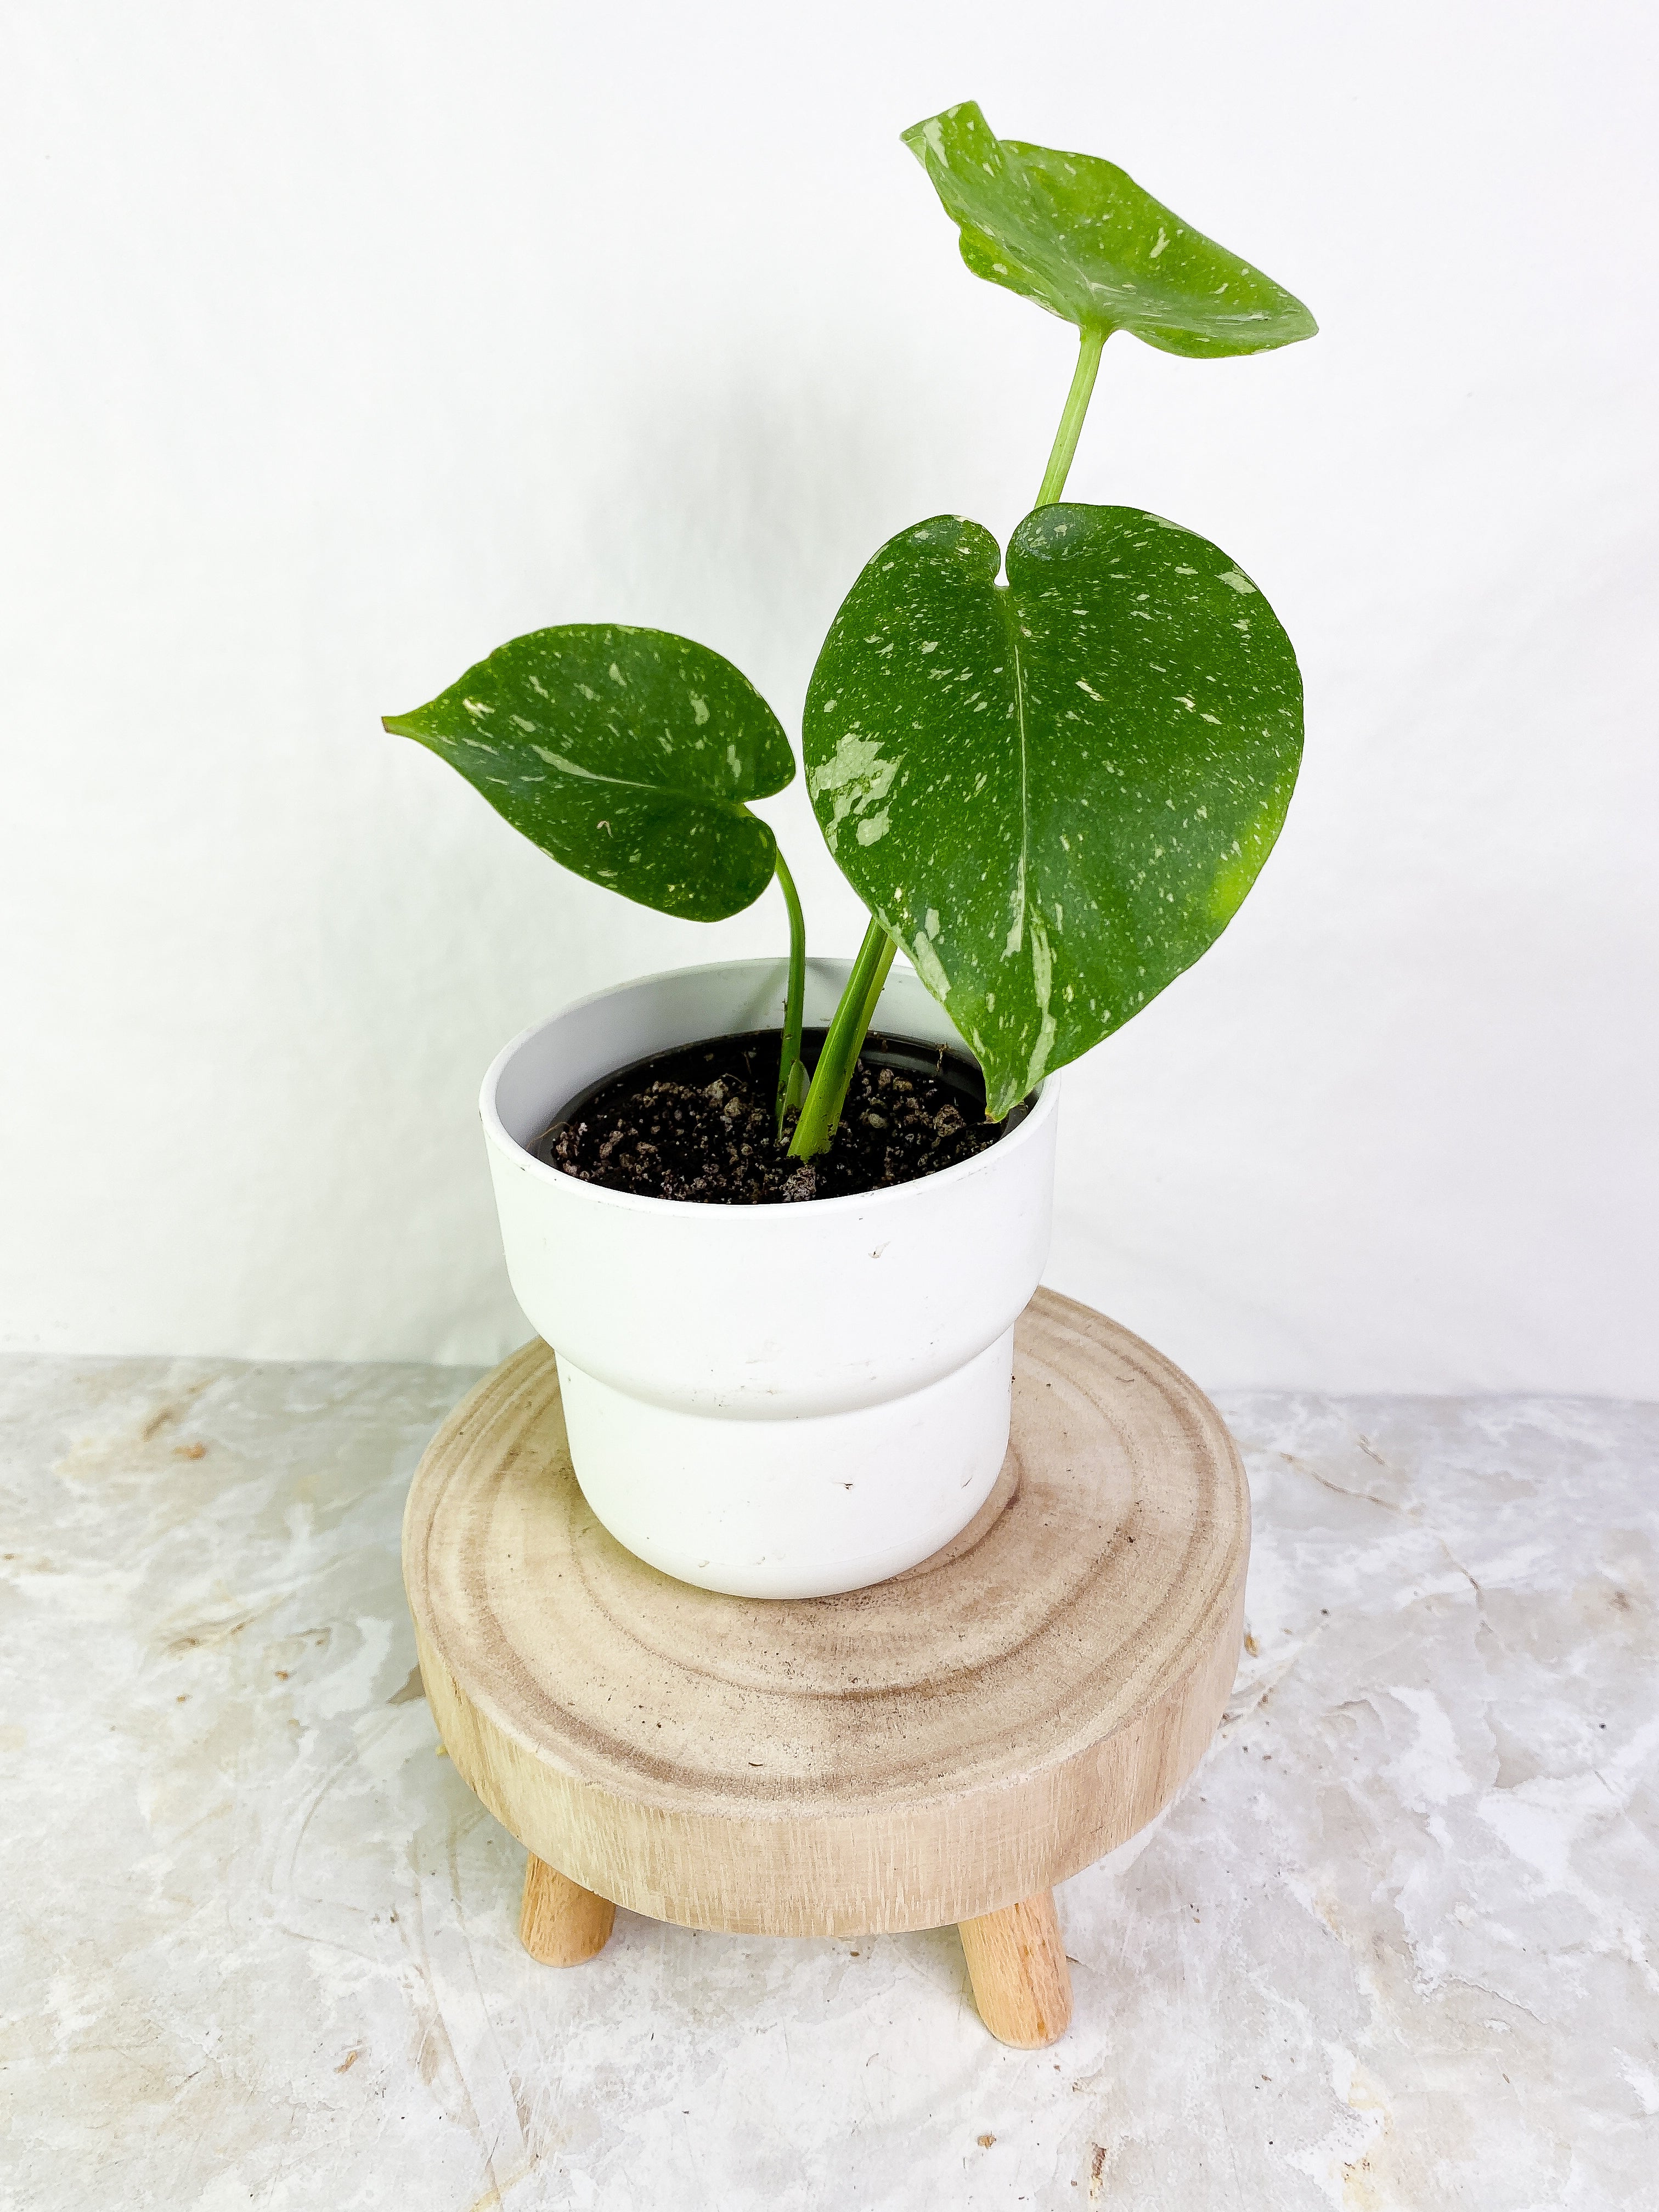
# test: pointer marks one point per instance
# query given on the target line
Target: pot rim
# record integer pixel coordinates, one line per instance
(1043, 1107)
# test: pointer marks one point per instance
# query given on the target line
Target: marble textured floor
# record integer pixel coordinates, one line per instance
(1393, 1947)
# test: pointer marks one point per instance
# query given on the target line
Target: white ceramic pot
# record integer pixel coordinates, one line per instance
(772, 1400)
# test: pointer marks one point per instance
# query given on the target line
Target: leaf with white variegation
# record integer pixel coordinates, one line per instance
(625, 754)
(1055, 791)
(1080, 237)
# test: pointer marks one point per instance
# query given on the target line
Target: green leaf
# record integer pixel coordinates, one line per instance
(626, 754)
(1055, 792)
(1082, 239)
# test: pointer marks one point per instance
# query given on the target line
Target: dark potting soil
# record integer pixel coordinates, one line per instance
(697, 1123)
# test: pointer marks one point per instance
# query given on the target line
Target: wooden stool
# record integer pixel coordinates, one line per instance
(944, 1746)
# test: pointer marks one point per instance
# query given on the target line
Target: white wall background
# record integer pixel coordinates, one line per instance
(344, 340)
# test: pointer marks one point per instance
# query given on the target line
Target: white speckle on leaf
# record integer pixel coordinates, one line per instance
(566, 766)
(1163, 240)
(929, 966)
(931, 923)
(1239, 581)
(1017, 913)
(873, 828)
(617, 676)
(476, 707)
(855, 777)
(1084, 684)
(700, 709)
(1042, 981)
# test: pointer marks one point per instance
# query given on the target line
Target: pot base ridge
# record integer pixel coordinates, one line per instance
(806, 1506)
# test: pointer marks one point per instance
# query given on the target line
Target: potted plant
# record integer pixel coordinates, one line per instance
(776, 1221)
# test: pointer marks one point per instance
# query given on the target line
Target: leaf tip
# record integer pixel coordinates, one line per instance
(927, 137)
(1000, 1103)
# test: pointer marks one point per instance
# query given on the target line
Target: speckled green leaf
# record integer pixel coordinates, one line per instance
(1054, 793)
(1080, 237)
(626, 754)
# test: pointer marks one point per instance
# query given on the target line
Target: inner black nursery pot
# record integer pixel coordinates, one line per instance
(698, 1123)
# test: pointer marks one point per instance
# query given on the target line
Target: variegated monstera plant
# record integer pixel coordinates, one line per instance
(1051, 775)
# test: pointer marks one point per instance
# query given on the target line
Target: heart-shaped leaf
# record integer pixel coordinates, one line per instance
(1054, 793)
(1080, 237)
(626, 754)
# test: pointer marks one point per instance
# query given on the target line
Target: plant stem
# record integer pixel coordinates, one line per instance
(878, 983)
(791, 1074)
(1070, 421)
(822, 1112)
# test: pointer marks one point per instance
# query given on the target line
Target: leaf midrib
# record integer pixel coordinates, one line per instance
(1011, 622)
(573, 771)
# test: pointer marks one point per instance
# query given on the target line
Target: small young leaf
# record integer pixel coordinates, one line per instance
(1082, 239)
(626, 754)
(1054, 793)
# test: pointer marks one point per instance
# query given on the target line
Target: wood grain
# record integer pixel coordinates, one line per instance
(1016, 1964)
(930, 1750)
(560, 1922)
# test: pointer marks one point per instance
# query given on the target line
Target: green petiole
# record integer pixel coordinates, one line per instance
(821, 1114)
(792, 1069)
(1071, 420)
(878, 983)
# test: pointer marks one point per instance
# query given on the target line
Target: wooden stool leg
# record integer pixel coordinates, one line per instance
(1016, 1964)
(560, 1922)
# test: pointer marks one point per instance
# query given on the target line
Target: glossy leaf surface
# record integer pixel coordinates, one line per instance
(625, 754)
(1080, 237)
(1054, 793)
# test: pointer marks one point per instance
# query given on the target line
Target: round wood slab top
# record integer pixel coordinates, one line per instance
(929, 1749)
